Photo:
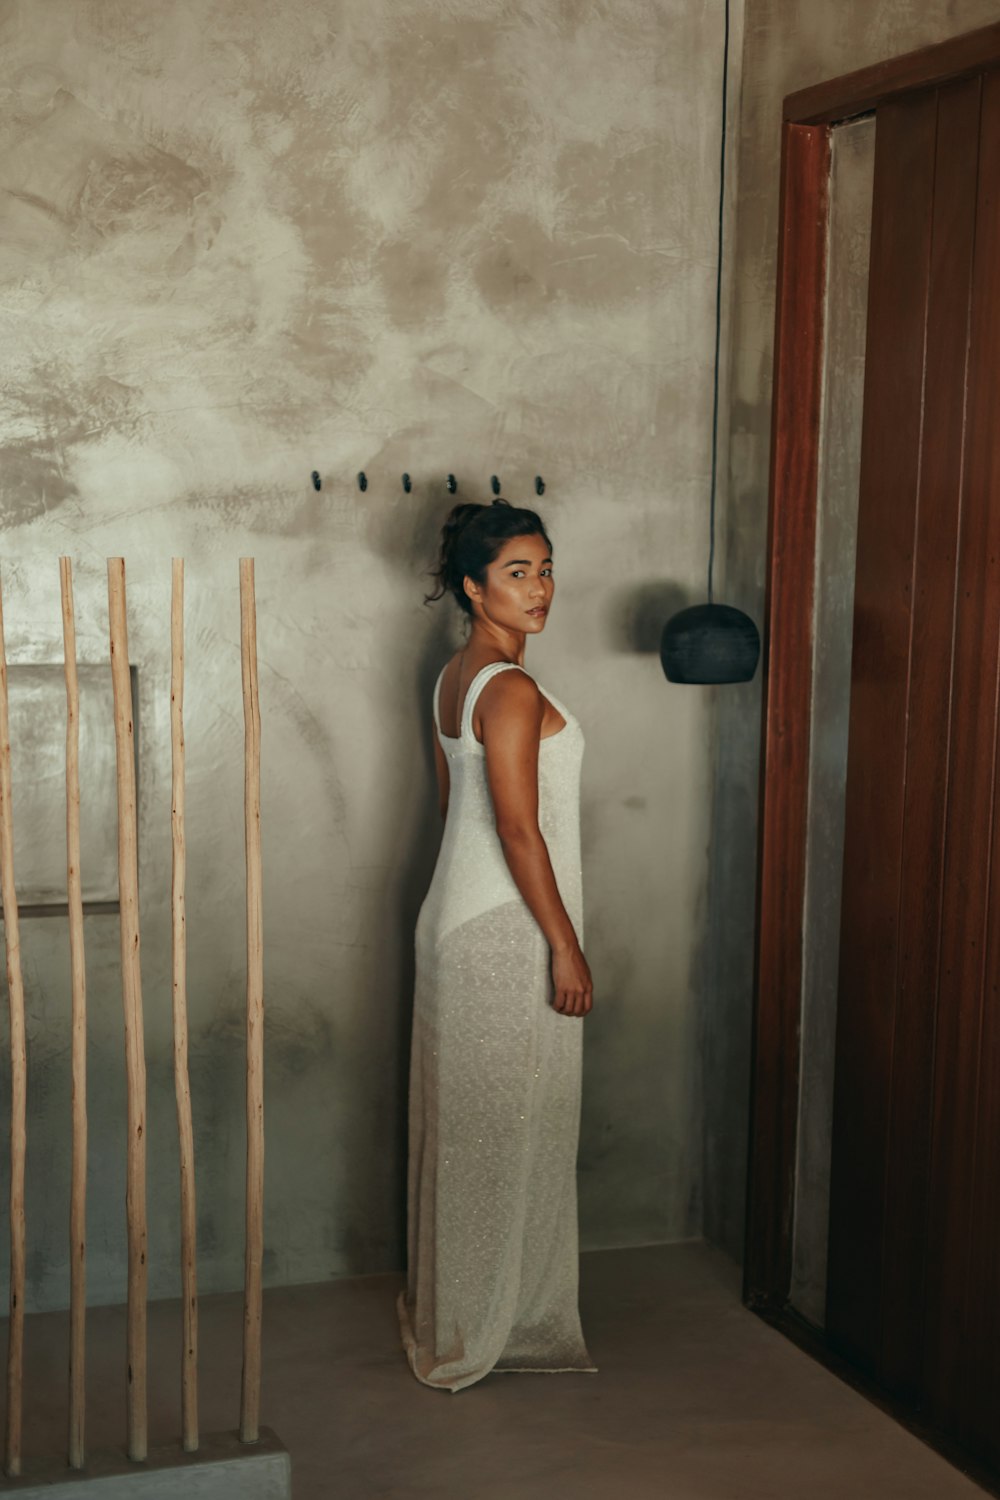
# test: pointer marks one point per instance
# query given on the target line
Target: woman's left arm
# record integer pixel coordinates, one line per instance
(441, 763)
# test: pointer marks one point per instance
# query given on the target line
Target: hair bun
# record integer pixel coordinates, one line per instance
(460, 516)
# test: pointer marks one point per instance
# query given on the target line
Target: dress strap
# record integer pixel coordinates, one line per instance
(437, 700)
(476, 686)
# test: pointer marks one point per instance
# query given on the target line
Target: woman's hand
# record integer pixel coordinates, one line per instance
(571, 982)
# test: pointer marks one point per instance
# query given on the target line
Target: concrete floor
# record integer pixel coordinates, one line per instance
(695, 1399)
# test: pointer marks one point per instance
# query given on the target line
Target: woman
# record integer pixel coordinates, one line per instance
(501, 988)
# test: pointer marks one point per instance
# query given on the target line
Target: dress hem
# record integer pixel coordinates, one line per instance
(458, 1383)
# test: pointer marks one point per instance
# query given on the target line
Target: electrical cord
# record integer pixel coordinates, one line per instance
(718, 305)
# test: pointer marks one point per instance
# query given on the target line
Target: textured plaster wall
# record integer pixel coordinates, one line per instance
(788, 44)
(243, 241)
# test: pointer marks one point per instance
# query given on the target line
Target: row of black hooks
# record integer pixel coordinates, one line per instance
(451, 483)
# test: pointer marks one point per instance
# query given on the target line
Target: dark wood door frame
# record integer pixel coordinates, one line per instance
(809, 117)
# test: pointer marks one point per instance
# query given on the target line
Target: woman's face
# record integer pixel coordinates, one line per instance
(519, 586)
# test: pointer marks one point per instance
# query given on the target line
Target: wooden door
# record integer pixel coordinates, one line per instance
(913, 1293)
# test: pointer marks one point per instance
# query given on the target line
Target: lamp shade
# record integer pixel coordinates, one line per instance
(710, 643)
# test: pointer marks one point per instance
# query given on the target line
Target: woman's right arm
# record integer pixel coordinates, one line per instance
(511, 712)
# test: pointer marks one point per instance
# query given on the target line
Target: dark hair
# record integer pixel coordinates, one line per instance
(471, 539)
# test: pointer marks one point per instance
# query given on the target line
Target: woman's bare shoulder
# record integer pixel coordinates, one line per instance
(514, 693)
(450, 664)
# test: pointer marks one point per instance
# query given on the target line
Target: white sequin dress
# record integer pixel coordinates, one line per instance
(494, 1105)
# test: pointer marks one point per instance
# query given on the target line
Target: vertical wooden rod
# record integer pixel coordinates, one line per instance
(252, 1297)
(182, 1083)
(135, 1061)
(18, 1091)
(74, 897)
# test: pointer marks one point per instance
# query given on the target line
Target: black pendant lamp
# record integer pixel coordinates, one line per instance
(712, 642)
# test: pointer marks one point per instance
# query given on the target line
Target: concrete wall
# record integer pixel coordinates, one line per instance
(788, 44)
(241, 241)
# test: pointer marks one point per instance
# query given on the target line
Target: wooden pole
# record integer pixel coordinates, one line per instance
(18, 1091)
(135, 1061)
(254, 1255)
(182, 1083)
(74, 896)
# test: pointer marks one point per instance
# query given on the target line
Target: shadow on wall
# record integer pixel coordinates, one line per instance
(400, 527)
(636, 615)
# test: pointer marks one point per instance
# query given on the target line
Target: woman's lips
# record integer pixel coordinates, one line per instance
(539, 611)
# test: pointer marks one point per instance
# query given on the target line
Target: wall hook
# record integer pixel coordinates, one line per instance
(407, 483)
(452, 484)
(362, 481)
(317, 482)
(539, 485)
(494, 484)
